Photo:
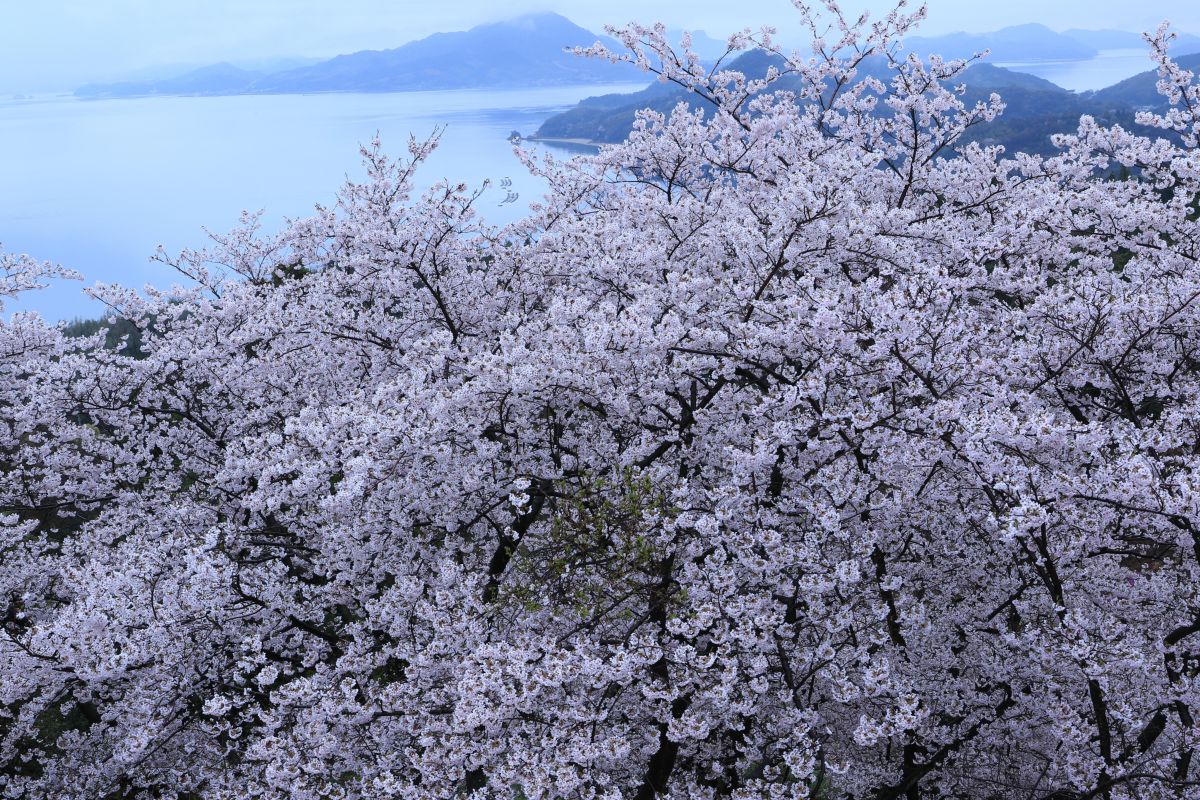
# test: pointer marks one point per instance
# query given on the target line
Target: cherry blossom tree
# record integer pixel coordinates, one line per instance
(791, 448)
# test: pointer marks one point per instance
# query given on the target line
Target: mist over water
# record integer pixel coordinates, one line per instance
(97, 185)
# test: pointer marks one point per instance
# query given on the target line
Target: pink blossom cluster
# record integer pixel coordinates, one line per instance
(794, 449)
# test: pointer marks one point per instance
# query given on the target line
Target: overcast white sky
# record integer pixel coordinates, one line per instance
(50, 44)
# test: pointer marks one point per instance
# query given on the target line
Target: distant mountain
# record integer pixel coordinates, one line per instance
(526, 51)
(983, 76)
(268, 66)
(1140, 91)
(1106, 39)
(1185, 44)
(609, 118)
(219, 79)
(1017, 43)
(1034, 108)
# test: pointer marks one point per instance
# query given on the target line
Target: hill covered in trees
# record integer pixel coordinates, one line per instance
(1034, 110)
(1140, 91)
(1029, 42)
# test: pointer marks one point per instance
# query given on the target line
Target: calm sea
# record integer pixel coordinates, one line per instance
(98, 185)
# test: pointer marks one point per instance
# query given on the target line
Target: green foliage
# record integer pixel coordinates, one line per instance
(600, 547)
(120, 334)
(52, 722)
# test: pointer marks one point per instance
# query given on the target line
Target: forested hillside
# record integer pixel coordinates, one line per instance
(1035, 109)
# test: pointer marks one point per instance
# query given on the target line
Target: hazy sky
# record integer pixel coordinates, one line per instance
(50, 44)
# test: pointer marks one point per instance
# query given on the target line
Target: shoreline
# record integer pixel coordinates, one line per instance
(567, 141)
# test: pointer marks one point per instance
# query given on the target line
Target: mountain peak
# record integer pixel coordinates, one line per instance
(540, 21)
(527, 50)
(1029, 42)
(1027, 29)
(535, 17)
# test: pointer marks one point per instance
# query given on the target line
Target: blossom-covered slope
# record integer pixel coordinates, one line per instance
(799, 450)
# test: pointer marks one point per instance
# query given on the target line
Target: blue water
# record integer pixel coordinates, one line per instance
(1105, 69)
(98, 185)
